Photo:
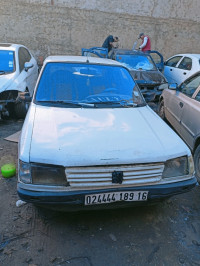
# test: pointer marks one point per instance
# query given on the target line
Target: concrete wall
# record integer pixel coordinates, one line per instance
(50, 27)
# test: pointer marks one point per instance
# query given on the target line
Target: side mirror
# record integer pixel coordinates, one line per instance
(27, 65)
(173, 86)
(163, 87)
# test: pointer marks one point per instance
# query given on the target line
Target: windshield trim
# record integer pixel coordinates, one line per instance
(89, 65)
(96, 105)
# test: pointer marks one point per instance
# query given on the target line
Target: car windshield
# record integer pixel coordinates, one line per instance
(87, 85)
(6, 62)
(136, 62)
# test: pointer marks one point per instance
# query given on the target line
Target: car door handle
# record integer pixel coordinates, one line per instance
(181, 104)
(184, 73)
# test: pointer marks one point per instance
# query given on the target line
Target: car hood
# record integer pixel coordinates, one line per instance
(80, 137)
(148, 77)
(6, 81)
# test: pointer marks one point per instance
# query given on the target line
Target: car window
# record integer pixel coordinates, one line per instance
(7, 62)
(186, 63)
(156, 58)
(81, 83)
(190, 85)
(173, 61)
(24, 56)
(136, 62)
(86, 53)
(198, 97)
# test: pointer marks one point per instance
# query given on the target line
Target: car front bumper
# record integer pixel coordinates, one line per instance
(74, 200)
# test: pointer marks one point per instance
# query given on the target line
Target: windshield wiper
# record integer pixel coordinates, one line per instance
(123, 103)
(74, 104)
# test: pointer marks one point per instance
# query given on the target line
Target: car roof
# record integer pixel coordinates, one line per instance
(191, 55)
(10, 46)
(81, 59)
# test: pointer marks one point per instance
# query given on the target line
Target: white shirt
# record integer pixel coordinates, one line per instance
(144, 43)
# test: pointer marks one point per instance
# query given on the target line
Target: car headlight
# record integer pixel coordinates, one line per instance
(25, 172)
(178, 167)
(39, 174)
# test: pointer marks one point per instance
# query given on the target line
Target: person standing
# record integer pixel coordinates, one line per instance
(109, 42)
(146, 42)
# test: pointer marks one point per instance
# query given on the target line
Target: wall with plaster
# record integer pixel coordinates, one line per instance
(50, 27)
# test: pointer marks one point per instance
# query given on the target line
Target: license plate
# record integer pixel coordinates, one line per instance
(110, 197)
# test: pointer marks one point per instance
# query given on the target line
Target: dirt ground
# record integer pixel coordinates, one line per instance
(164, 234)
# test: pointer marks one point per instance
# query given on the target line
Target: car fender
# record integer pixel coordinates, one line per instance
(16, 83)
(17, 87)
(7, 82)
(19, 83)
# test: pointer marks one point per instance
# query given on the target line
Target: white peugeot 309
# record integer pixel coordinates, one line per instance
(89, 140)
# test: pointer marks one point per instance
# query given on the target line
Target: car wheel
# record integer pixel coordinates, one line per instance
(197, 163)
(161, 110)
(10, 109)
(21, 109)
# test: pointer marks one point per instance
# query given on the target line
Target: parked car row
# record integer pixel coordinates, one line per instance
(89, 139)
(147, 68)
(19, 72)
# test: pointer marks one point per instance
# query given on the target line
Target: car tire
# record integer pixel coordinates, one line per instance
(10, 109)
(21, 109)
(197, 163)
(161, 110)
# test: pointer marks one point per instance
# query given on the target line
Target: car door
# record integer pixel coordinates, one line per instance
(183, 70)
(173, 109)
(170, 69)
(95, 52)
(190, 117)
(32, 72)
(158, 59)
(26, 79)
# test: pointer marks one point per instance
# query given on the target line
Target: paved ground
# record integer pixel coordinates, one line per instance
(164, 234)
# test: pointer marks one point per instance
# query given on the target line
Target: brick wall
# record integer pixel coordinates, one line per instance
(50, 27)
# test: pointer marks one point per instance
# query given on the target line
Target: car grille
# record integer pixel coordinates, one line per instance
(100, 176)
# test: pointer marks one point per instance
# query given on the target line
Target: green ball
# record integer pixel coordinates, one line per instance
(8, 170)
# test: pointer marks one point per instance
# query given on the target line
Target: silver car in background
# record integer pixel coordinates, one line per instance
(180, 106)
(180, 67)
